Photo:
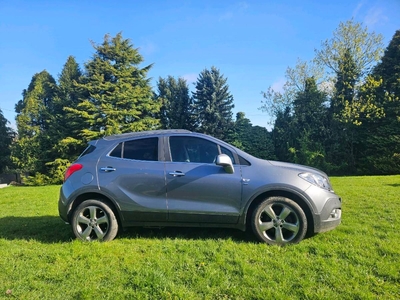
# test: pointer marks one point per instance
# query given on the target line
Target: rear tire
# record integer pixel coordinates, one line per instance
(94, 220)
(279, 221)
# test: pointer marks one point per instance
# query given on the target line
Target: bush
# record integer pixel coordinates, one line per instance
(37, 179)
(57, 170)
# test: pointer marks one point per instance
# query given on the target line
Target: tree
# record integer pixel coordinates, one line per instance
(35, 114)
(213, 104)
(6, 136)
(177, 105)
(255, 140)
(349, 56)
(115, 94)
(382, 135)
(283, 105)
(310, 126)
(276, 102)
(351, 38)
(63, 133)
(389, 70)
(68, 126)
(283, 135)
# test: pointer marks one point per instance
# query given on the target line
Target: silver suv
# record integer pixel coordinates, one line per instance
(179, 178)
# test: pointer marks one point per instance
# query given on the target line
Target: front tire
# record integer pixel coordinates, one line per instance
(279, 221)
(94, 220)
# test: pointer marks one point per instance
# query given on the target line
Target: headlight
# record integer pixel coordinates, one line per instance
(317, 180)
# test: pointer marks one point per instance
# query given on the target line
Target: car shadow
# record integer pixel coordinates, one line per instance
(51, 229)
(45, 229)
(393, 184)
(188, 233)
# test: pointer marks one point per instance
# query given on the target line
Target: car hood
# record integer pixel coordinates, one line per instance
(296, 167)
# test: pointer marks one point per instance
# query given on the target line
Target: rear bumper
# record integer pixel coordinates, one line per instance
(62, 207)
(330, 216)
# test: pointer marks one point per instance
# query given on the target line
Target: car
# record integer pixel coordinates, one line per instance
(182, 178)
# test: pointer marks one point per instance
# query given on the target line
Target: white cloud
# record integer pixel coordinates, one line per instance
(370, 15)
(226, 16)
(190, 78)
(277, 86)
(147, 48)
(242, 5)
(327, 87)
(236, 9)
(374, 15)
(357, 9)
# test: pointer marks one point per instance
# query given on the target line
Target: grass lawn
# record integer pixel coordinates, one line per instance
(39, 258)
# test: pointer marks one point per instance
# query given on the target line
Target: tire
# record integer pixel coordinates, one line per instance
(94, 220)
(279, 221)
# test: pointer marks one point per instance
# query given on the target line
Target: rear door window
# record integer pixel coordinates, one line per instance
(139, 149)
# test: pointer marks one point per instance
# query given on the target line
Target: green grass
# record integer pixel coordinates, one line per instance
(39, 258)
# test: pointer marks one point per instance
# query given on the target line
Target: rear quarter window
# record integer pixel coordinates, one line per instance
(88, 150)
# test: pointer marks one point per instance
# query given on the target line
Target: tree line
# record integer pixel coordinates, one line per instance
(339, 112)
(112, 95)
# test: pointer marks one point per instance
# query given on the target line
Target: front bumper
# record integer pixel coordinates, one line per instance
(330, 216)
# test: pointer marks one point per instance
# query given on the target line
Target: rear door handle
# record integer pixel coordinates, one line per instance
(108, 169)
(177, 174)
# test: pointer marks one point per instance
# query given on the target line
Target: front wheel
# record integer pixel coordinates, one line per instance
(279, 221)
(94, 220)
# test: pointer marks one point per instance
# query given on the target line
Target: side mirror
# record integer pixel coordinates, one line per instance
(225, 161)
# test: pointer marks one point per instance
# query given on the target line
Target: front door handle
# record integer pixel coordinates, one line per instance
(108, 169)
(177, 174)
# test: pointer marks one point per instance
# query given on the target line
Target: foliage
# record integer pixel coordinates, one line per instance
(6, 136)
(310, 126)
(177, 105)
(283, 135)
(382, 135)
(213, 104)
(57, 170)
(351, 39)
(275, 102)
(339, 112)
(67, 129)
(37, 180)
(255, 140)
(115, 94)
(41, 261)
(35, 116)
(347, 123)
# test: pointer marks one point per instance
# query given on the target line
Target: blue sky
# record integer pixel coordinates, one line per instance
(251, 42)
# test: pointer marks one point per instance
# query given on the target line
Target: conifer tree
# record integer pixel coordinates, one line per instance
(255, 140)
(68, 126)
(115, 93)
(213, 104)
(310, 126)
(177, 105)
(35, 116)
(382, 134)
(6, 135)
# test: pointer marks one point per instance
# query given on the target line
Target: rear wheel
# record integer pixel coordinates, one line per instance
(279, 221)
(94, 220)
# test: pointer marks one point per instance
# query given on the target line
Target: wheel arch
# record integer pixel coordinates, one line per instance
(95, 196)
(290, 194)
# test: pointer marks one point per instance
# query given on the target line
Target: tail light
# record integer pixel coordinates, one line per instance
(71, 170)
